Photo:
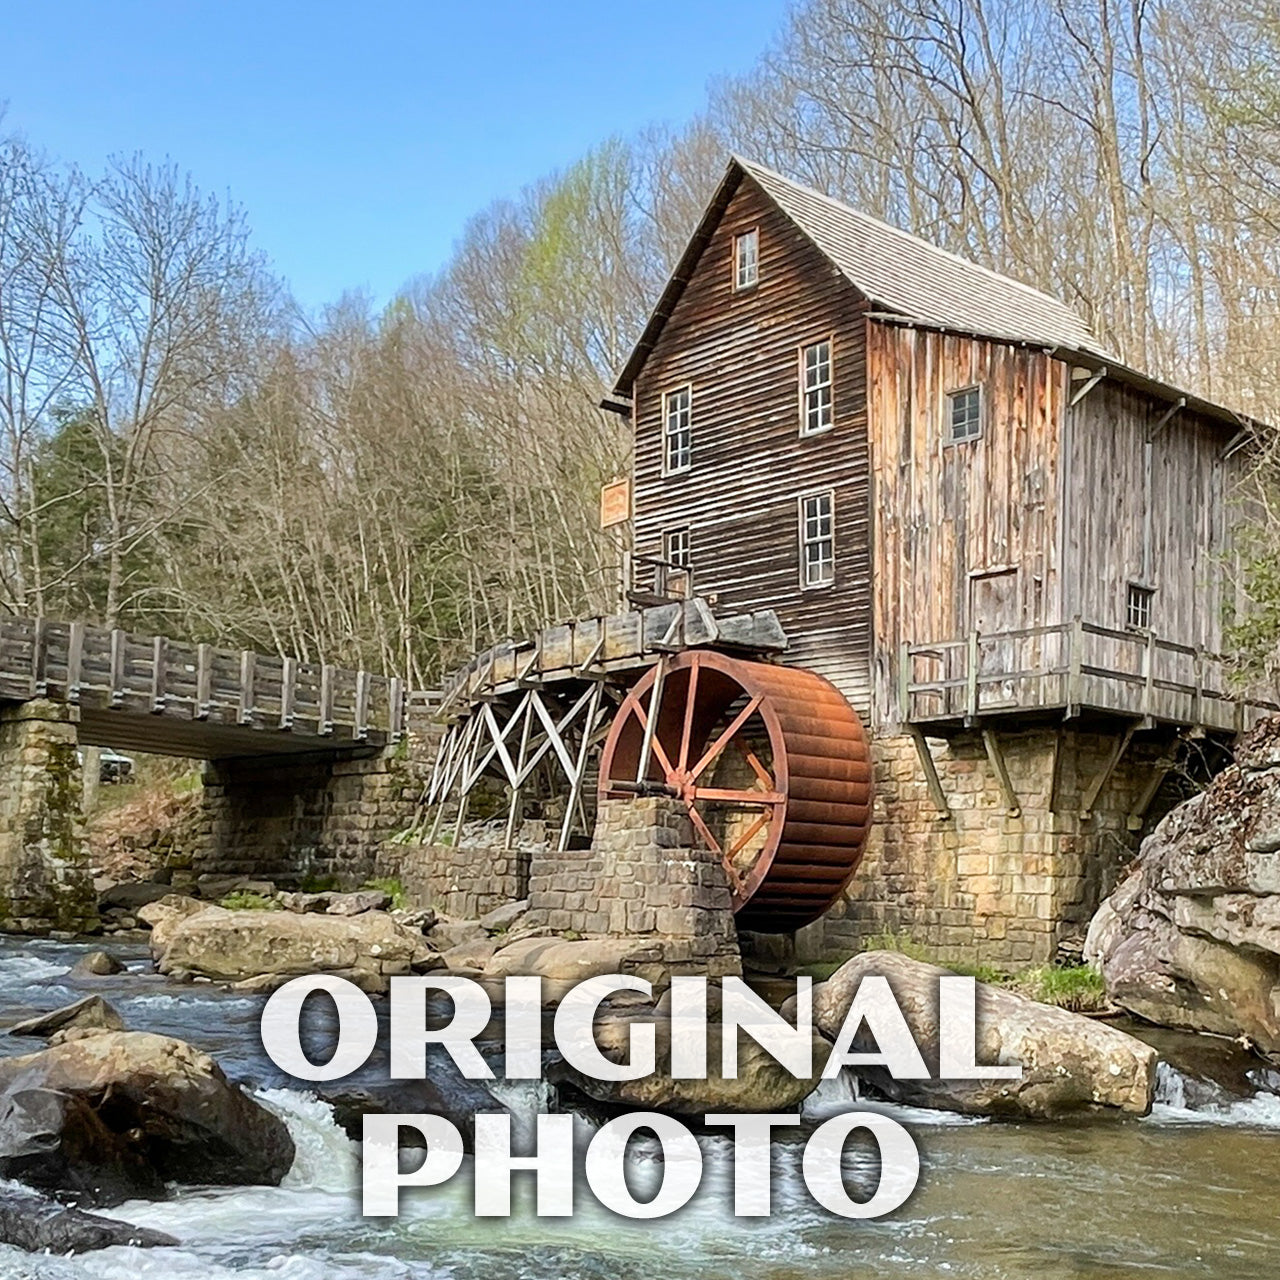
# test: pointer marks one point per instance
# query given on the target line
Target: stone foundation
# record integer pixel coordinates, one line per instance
(644, 876)
(466, 881)
(986, 887)
(44, 860)
(287, 818)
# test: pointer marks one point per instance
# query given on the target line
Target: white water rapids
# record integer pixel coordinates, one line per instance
(1110, 1199)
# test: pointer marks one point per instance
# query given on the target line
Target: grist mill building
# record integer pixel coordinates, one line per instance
(863, 462)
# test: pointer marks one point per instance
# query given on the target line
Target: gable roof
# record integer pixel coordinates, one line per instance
(898, 273)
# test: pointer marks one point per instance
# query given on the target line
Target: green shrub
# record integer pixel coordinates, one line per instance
(244, 901)
(1077, 987)
(392, 887)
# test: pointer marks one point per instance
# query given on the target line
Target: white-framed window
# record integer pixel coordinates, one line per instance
(676, 547)
(816, 404)
(1137, 607)
(817, 540)
(677, 430)
(964, 414)
(746, 259)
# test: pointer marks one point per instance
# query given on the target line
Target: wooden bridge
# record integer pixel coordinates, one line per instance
(150, 693)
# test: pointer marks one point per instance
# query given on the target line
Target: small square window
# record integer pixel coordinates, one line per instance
(964, 414)
(677, 430)
(1138, 607)
(675, 548)
(816, 403)
(746, 259)
(817, 540)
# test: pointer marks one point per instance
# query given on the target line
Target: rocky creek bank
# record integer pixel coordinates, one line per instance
(1190, 938)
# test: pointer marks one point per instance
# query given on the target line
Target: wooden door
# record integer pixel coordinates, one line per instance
(994, 611)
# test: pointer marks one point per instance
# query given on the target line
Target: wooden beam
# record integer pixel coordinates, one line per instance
(325, 725)
(248, 662)
(1104, 774)
(1055, 775)
(651, 721)
(936, 793)
(40, 659)
(1088, 386)
(159, 665)
(204, 680)
(118, 656)
(75, 661)
(395, 711)
(288, 691)
(1012, 807)
(1161, 770)
(575, 783)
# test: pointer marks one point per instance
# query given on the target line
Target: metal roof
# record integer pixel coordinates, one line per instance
(901, 273)
(909, 281)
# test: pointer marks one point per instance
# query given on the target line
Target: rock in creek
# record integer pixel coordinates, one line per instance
(165, 915)
(32, 1222)
(505, 917)
(237, 946)
(1070, 1064)
(762, 1084)
(92, 1013)
(1191, 938)
(96, 964)
(116, 1115)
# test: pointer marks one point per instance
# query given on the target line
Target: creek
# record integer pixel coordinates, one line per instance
(1190, 1191)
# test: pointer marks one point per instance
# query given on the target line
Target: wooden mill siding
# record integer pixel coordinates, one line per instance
(1110, 511)
(946, 513)
(740, 353)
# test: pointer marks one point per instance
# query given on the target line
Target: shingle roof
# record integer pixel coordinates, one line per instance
(904, 274)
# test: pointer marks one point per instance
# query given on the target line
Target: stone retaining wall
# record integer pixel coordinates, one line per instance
(467, 881)
(986, 887)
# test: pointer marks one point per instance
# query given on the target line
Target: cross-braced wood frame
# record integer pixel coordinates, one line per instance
(547, 731)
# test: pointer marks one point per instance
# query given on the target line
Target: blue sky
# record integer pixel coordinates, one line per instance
(361, 137)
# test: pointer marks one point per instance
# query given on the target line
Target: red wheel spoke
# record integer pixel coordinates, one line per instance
(757, 768)
(725, 795)
(713, 752)
(690, 699)
(712, 843)
(745, 838)
(654, 745)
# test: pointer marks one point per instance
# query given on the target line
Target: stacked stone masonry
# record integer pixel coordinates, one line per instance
(644, 876)
(987, 887)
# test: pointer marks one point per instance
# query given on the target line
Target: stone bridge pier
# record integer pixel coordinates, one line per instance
(45, 880)
(289, 817)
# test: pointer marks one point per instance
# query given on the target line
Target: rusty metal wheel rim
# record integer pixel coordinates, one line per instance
(685, 749)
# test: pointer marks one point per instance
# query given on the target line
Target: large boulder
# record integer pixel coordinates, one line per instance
(166, 914)
(114, 1116)
(39, 1225)
(1191, 937)
(560, 961)
(1070, 1064)
(235, 946)
(761, 1084)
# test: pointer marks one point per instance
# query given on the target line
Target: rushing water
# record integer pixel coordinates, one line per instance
(1191, 1191)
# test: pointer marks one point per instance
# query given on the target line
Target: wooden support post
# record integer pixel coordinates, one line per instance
(395, 712)
(1162, 769)
(971, 679)
(651, 721)
(75, 661)
(362, 704)
(936, 793)
(517, 790)
(1075, 664)
(118, 641)
(288, 691)
(575, 787)
(1012, 807)
(40, 659)
(1104, 774)
(325, 725)
(1197, 706)
(204, 680)
(1148, 678)
(248, 661)
(904, 683)
(159, 665)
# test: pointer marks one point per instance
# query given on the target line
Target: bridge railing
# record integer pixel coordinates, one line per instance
(102, 668)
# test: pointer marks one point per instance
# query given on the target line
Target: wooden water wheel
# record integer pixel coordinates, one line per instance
(772, 765)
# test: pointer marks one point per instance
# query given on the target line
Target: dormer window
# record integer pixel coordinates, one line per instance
(746, 259)
(964, 414)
